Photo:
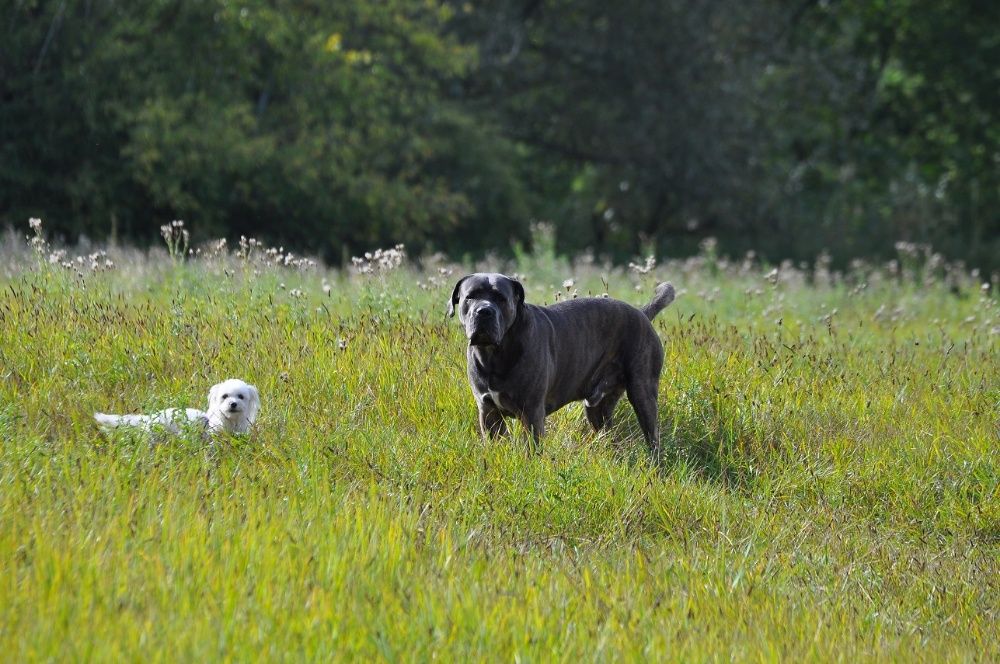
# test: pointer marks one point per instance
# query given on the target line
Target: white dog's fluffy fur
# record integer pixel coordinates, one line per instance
(232, 407)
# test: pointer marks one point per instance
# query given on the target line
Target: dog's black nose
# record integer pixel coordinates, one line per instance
(232, 406)
(485, 312)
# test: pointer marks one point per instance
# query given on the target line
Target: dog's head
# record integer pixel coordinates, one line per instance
(236, 403)
(488, 304)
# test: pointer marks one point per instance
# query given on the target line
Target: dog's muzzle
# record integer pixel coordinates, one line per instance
(483, 327)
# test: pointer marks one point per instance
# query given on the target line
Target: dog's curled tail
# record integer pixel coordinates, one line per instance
(107, 420)
(120, 420)
(664, 296)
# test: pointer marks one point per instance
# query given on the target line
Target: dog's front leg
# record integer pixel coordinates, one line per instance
(534, 422)
(490, 420)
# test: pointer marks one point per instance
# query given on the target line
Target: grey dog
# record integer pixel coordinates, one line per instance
(527, 361)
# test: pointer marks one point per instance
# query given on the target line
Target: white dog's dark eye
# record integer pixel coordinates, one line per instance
(225, 396)
(240, 396)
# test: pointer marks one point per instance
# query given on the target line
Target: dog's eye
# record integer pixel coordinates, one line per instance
(225, 396)
(240, 396)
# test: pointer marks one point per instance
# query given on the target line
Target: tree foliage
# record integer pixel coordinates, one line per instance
(789, 128)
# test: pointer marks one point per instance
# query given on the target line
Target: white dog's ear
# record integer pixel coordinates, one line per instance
(253, 403)
(213, 396)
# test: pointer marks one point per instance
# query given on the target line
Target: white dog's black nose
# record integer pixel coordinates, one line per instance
(233, 406)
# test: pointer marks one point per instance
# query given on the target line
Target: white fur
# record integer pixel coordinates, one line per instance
(232, 406)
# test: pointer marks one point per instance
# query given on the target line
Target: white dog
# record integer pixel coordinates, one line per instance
(232, 407)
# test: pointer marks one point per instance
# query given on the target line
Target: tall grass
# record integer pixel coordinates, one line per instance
(830, 488)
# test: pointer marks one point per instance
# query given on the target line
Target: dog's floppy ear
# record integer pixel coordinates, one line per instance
(253, 404)
(213, 396)
(453, 303)
(518, 291)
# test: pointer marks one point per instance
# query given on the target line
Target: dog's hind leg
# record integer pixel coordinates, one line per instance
(642, 396)
(599, 414)
(642, 380)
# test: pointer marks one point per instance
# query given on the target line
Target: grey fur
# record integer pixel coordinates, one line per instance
(527, 361)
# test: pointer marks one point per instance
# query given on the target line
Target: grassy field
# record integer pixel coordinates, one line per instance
(830, 488)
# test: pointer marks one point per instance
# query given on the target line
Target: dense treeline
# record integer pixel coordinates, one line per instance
(785, 127)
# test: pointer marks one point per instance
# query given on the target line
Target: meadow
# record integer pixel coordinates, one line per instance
(830, 487)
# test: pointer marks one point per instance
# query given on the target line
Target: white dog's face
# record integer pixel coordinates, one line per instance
(233, 404)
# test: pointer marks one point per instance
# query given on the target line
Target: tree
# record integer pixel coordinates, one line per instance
(326, 126)
(788, 128)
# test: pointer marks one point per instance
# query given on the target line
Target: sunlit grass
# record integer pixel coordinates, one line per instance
(830, 489)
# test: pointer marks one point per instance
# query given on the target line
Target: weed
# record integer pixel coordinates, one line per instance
(831, 488)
